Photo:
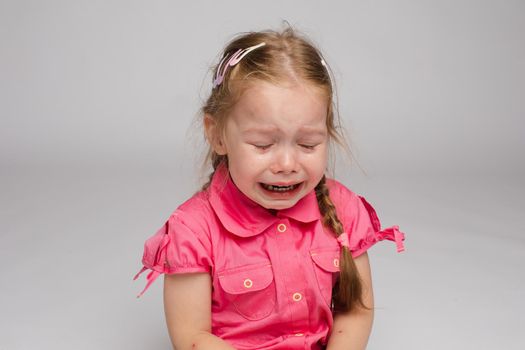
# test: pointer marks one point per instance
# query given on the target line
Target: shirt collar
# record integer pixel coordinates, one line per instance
(245, 218)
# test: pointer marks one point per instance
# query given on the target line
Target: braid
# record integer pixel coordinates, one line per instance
(347, 291)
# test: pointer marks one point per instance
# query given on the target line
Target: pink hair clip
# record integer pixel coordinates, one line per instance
(232, 61)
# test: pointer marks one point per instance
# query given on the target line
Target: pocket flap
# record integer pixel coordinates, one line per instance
(326, 259)
(246, 279)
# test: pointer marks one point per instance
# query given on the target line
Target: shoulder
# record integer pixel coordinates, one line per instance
(196, 204)
(349, 205)
(195, 213)
(339, 193)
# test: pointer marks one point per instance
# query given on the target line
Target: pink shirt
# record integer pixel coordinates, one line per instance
(272, 275)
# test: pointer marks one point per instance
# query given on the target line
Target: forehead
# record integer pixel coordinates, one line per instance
(288, 108)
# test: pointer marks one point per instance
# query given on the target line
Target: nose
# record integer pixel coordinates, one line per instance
(285, 161)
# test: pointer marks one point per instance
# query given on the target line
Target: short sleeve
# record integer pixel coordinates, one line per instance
(175, 248)
(361, 223)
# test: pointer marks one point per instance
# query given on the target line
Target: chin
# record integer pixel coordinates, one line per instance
(279, 206)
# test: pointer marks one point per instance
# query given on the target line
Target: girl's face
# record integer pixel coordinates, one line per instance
(276, 141)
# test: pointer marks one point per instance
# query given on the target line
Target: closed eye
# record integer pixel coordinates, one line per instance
(307, 146)
(263, 147)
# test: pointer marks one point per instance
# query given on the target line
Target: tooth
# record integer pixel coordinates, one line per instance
(277, 188)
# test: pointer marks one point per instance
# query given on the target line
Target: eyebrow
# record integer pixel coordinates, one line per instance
(273, 129)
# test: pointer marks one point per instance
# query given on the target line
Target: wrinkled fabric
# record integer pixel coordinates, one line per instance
(272, 273)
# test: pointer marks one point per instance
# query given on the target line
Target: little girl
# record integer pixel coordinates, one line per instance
(270, 254)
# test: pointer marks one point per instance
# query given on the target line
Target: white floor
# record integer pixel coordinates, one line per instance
(71, 241)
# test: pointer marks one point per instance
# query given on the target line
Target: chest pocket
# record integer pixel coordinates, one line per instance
(250, 289)
(326, 265)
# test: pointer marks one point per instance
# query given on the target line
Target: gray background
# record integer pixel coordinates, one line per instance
(97, 98)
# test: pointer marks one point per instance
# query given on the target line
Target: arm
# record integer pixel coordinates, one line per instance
(351, 330)
(187, 305)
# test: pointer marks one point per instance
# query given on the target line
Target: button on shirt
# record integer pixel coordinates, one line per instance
(272, 273)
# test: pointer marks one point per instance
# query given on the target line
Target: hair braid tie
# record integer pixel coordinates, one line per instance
(343, 240)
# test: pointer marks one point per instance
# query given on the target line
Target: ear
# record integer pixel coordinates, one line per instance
(214, 135)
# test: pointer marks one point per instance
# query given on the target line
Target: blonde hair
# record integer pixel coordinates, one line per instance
(287, 56)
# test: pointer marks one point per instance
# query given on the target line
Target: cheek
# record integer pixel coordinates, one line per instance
(248, 156)
(236, 150)
(318, 159)
(324, 156)
(246, 163)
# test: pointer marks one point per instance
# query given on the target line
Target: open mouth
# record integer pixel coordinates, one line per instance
(280, 189)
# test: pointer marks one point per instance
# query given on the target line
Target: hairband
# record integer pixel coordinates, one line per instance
(328, 71)
(232, 61)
